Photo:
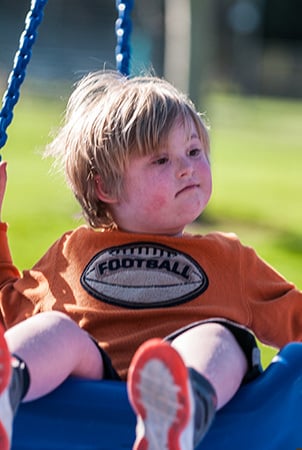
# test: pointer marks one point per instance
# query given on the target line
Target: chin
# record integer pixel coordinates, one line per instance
(190, 217)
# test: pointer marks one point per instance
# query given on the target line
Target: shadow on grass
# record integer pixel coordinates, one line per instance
(285, 240)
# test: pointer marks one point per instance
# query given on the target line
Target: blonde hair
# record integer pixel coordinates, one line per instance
(110, 118)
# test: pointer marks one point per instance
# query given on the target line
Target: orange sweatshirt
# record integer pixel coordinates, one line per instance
(126, 288)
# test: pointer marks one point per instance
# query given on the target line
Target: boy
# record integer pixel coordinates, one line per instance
(134, 297)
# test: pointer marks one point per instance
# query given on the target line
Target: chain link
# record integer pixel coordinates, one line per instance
(123, 28)
(22, 58)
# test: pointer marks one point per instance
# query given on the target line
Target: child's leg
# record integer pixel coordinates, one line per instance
(6, 413)
(53, 347)
(212, 350)
(48, 348)
(175, 393)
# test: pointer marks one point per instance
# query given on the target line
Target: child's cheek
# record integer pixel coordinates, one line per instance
(157, 202)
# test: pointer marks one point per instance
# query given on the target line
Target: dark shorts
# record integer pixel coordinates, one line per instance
(243, 336)
(109, 371)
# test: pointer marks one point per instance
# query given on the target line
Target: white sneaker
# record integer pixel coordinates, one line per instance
(161, 395)
(6, 413)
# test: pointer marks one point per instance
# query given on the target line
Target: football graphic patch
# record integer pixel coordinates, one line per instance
(143, 275)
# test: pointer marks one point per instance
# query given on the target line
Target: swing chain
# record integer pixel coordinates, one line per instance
(22, 58)
(123, 28)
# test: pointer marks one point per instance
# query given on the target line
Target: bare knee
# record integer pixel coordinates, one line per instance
(208, 335)
(212, 350)
(53, 347)
(53, 320)
(51, 323)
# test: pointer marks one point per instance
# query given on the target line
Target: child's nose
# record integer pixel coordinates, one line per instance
(184, 167)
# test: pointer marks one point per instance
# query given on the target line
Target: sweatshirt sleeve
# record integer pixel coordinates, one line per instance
(275, 304)
(7, 269)
(26, 294)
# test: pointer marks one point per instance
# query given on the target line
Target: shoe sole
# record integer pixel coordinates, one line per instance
(158, 391)
(5, 371)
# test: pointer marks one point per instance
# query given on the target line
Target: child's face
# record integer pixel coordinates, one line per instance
(164, 192)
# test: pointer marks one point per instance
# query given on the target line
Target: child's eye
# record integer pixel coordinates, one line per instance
(195, 152)
(161, 161)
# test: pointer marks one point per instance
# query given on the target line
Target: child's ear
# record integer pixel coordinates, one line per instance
(101, 192)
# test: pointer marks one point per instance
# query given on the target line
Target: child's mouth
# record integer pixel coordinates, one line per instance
(187, 189)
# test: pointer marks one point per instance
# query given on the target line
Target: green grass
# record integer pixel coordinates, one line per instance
(256, 159)
(257, 162)
(38, 206)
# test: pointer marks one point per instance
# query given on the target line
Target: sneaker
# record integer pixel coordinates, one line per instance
(6, 413)
(161, 394)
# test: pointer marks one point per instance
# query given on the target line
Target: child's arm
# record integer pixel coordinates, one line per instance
(3, 180)
(7, 269)
(274, 303)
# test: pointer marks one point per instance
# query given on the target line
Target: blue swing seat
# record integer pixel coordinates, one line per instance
(89, 415)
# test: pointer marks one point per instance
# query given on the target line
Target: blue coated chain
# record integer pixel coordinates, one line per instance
(123, 28)
(22, 58)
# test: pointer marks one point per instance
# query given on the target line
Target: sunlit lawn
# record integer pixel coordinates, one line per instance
(256, 159)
